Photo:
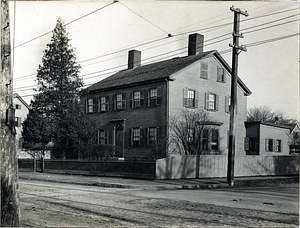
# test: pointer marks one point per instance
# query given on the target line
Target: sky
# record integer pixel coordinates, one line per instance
(103, 32)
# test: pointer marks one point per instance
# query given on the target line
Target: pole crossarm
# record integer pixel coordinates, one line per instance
(242, 47)
(237, 10)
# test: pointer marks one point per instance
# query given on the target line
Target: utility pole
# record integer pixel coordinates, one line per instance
(8, 157)
(236, 49)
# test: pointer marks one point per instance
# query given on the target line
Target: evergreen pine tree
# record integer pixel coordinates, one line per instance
(58, 91)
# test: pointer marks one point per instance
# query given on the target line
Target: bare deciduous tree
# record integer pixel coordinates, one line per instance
(187, 131)
(264, 113)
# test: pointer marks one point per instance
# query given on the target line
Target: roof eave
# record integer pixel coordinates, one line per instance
(167, 78)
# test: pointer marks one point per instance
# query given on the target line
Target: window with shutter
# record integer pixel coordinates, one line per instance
(135, 136)
(136, 99)
(221, 74)
(211, 101)
(119, 101)
(89, 105)
(103, 105)
(153, 96)
(190, 98)
(278, 145)
(152, 135)
(103, 137)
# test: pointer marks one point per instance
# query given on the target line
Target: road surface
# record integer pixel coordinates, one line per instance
(64, 205)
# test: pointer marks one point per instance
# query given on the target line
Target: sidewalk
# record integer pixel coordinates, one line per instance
(115, 182)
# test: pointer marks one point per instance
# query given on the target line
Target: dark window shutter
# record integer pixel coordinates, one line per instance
(206, 101)
(86, 106)
(106, 137)
(142, 98)
(107, 103)
(267, 144)
(246, 145)
(146, 131)
(146, 98)
(197, 99)
(131, 100)
(217, 102)
(158, 99)
(114, 107)
(227, 104)
(141, 143)
(185, 97)
(95, 104)
(123, 101)
(130, 136)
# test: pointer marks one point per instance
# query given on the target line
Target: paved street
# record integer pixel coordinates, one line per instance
(56, 204)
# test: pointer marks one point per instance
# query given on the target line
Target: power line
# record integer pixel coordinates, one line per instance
(20, 78)
(143, 17)
(221, 52)
(65, 24)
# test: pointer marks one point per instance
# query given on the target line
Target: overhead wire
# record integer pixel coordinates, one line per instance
(65, 24)
(143, 17)
(175, 50)
(167, 37)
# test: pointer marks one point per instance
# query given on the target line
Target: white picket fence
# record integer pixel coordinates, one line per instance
(210, 166)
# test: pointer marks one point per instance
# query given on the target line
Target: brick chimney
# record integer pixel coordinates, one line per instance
(195, 44)
(134, 59)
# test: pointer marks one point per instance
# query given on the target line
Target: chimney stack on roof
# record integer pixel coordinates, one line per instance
(134, 59)
(196, 42)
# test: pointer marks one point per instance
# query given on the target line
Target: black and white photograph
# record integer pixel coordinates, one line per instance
(149, 113)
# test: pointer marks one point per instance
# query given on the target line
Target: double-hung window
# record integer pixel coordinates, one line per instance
(119, 101)
(273, 145)
(104, 104)
(135, 136)
(204, 70)
(155, 96)
(90, 105)
(221, 75)
(278, 145)
(214, 139)
(103, 137)
(211, 102)
(190, 98)
(210, 139)
(137, 99)
(152, 135)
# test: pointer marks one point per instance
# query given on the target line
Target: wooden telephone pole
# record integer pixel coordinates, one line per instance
(236, 49)
(8, 157)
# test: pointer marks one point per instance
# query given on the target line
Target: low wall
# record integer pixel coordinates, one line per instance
(134, 169)
(208, 166)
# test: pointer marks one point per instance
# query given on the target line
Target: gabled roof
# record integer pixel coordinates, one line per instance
(286, 126)
(155, 72)
(293, 126)
(15, 95)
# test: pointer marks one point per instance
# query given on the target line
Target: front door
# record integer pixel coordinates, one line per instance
(119, 140)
